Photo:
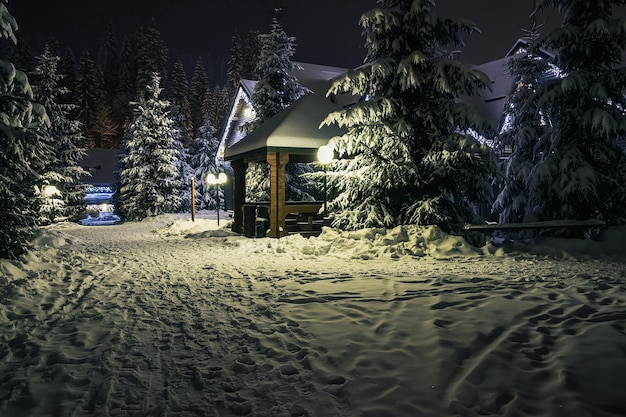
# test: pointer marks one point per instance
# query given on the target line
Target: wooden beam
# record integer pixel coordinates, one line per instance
(278, 161)
(551, 224)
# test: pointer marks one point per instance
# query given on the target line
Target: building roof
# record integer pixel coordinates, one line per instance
(296, 129)
(491, 101)
(317, 78)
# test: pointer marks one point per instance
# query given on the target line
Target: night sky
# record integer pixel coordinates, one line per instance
(327, 31)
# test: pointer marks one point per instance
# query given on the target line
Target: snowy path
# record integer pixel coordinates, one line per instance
(110, 337)
(115, 321)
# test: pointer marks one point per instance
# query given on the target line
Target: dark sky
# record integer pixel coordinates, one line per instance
(327, 31)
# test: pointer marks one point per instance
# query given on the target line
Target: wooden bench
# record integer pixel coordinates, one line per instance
(305, 218)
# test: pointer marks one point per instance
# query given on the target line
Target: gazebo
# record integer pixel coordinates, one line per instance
(293, 135)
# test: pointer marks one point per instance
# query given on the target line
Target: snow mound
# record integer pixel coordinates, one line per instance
(200, 228)
(410, 240)
(401, 241)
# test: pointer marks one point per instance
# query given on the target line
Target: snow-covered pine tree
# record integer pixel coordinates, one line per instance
(110, 114)
(409, 156)
(583, 172)
(520, 135)
(216, 104)
(109, 60)
(151, 54)
(22, 153)
(235, 62)
(197, 92)
(185, 172)
(277, 88)
(204, 161)
(88, 96)
(63, 171)
(251, 52)
(149, 178)
(179, 98)
(67, 68)
(20, 54)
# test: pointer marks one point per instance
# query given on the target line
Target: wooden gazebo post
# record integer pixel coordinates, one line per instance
(278, 161)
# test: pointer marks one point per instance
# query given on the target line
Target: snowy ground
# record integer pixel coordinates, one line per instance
(172, 318)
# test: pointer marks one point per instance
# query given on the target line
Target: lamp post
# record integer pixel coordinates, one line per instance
(193, 199)
(212, 179)
(325, 156)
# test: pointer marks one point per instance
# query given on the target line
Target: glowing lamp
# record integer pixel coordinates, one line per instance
(51, 190)
(212, 179)
(325, 155)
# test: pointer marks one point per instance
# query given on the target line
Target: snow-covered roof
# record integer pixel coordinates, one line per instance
(296, 128)
(491, 101)
(248, 86)
(317, 78)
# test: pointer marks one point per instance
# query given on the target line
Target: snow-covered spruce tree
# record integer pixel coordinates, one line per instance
(149, 178)
(182, 165)
(88, 97)
(408, 156)
(67, 68)
(216, 105)
(63, 171)
(251, 51)
(276, 89)
(521, 133)
(109, 117)
(204, 161)
(151, 54)
(179, 98)
(22, 152)
(109, 60)
(235, 62)
(582, 173)
(197, 92)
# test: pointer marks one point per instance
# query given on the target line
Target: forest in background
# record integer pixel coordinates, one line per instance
(102, 85)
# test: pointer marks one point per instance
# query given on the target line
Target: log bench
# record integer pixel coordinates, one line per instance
(539, 225)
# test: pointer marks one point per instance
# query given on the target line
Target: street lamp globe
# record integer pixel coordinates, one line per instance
(325, 155)
(212, 179)
(51, 191)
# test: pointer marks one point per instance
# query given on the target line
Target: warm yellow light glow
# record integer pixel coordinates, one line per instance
(325, 155)
(213, 180)
(51, 190)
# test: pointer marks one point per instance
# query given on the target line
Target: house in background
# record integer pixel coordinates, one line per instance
(101, 165)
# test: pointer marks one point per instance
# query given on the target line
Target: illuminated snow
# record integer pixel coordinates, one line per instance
(173, 317)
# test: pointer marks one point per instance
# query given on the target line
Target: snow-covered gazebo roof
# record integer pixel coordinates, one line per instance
(295, 130)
